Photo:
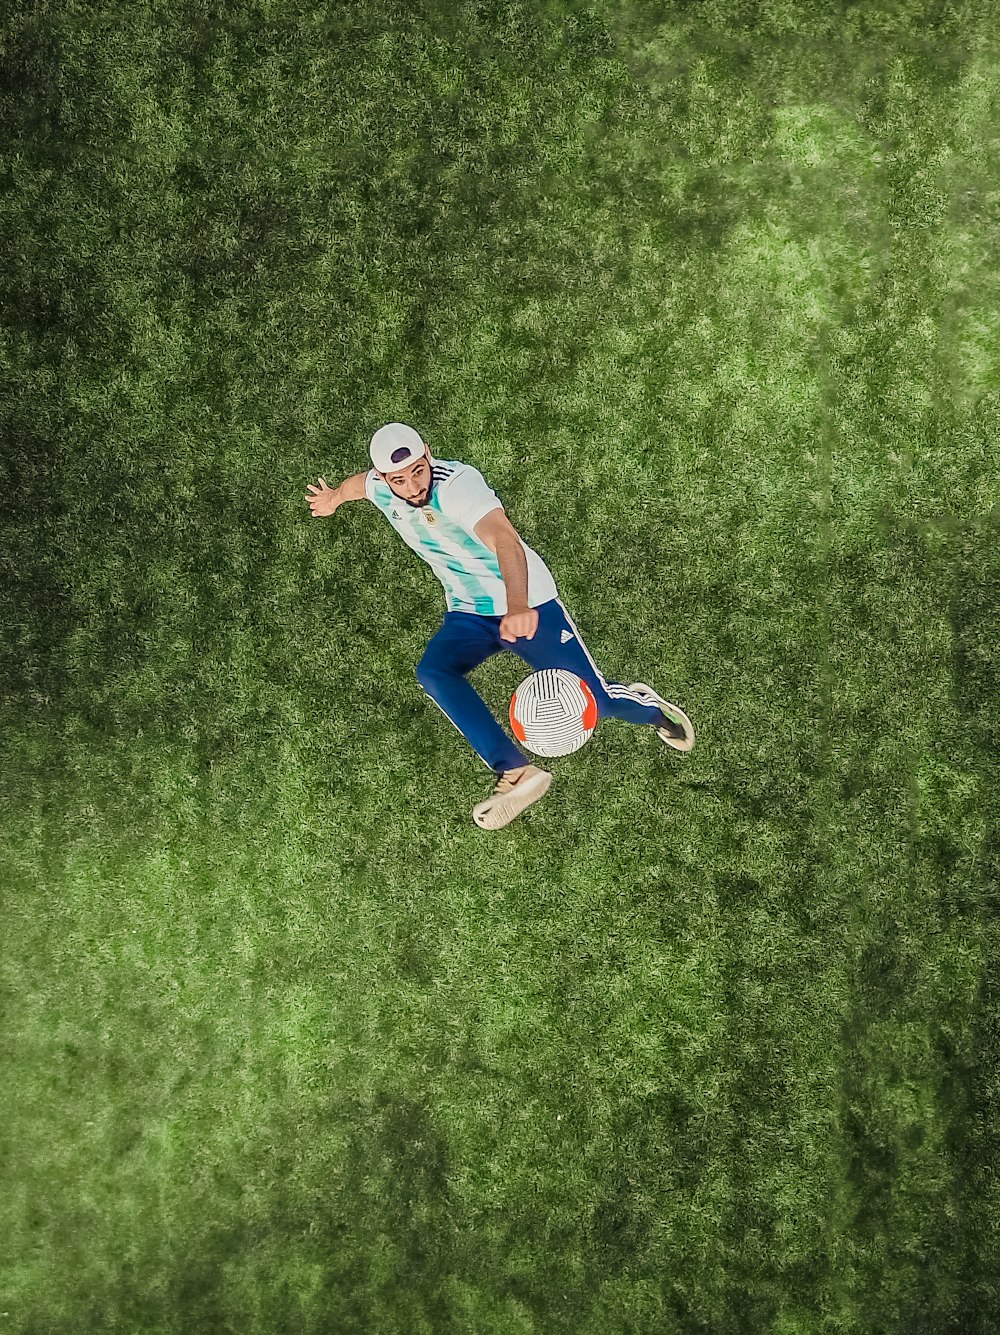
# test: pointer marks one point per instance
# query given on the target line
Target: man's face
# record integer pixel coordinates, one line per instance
(413, 484)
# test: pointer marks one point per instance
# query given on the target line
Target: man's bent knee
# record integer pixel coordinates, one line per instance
(428, 672)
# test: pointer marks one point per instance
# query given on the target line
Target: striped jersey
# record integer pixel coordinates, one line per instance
(441, 533)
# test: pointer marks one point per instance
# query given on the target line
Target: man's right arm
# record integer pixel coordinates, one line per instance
(326, 500)
(352, 488)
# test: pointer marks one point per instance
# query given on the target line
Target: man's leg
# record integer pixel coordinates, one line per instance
(557, 644)
(464, 641)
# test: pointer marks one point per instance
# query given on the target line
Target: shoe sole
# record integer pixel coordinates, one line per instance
(496, 812)
(675, 710)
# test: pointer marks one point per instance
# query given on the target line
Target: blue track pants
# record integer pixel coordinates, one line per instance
(467, 639)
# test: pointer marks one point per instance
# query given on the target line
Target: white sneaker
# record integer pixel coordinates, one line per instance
(674, 713)
(510, 798)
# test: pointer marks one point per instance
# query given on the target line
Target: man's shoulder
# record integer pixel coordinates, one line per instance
(465, 496)
(453, 476)
(452, 482)
(448, 471)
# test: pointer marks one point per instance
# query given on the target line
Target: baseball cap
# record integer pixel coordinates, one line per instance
(395, 446)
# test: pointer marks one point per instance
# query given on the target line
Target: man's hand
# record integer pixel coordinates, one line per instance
(324, 499)
(519, 625)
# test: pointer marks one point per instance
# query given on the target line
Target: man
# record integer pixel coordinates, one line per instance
(499, 592)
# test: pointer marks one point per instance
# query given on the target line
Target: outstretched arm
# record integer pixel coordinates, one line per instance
(325, 499)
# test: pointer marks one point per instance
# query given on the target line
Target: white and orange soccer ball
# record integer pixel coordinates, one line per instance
(553, 712)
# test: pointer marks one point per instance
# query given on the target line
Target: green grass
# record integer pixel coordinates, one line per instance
(708, 1044)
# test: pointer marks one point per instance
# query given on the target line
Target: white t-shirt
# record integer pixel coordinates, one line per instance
(441, 533)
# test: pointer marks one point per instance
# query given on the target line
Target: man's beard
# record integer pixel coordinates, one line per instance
(417, 505)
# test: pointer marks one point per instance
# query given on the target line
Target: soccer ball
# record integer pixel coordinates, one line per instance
(553, 712)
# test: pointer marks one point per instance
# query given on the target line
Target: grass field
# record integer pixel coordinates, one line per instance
(710, 293)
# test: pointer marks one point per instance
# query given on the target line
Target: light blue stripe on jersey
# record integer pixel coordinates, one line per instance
(464, 589)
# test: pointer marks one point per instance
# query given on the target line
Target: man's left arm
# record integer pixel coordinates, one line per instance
(500, 535)
(497, 533)
(514, 572)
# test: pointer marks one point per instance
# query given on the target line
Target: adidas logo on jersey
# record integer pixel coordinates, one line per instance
(566, 635)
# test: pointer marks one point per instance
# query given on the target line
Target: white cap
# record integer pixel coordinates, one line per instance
(395, 446)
